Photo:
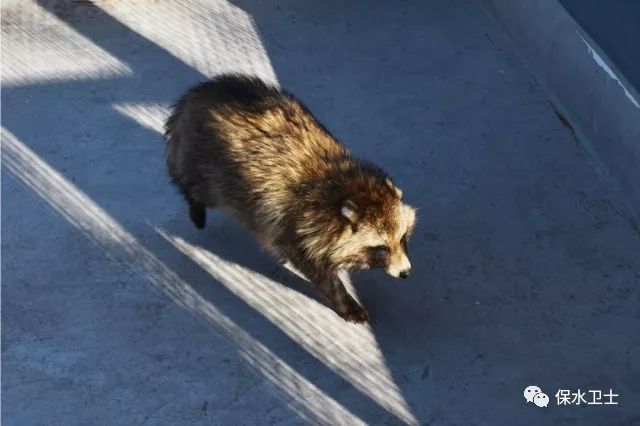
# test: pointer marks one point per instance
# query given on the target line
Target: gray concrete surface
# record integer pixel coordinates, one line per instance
(115, 310)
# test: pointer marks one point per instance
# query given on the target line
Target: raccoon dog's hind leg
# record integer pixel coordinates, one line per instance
(197, 213)
(197, 210)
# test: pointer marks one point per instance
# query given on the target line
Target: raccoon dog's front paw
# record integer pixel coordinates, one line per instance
(355, 313)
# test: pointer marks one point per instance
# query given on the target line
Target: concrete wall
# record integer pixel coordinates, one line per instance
(615, 26)
(588, 90)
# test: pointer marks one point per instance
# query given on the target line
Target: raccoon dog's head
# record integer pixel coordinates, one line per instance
(378, 226)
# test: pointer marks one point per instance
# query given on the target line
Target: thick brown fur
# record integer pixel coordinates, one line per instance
(256, 152)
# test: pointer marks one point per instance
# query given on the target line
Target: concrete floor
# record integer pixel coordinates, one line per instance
(116, 310)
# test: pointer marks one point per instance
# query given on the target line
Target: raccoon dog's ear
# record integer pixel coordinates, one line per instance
(349, 211)
(394, 188)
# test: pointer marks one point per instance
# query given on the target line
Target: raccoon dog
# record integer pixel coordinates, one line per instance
(254, 151)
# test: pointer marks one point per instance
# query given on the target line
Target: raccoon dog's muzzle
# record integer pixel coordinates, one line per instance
(399, 265)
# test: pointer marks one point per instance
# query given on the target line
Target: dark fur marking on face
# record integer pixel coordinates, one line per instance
(378, 256)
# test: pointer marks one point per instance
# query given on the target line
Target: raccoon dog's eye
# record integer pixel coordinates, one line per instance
(382, 250)
(403, 241)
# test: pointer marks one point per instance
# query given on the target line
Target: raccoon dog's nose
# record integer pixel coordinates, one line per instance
(405, 274)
